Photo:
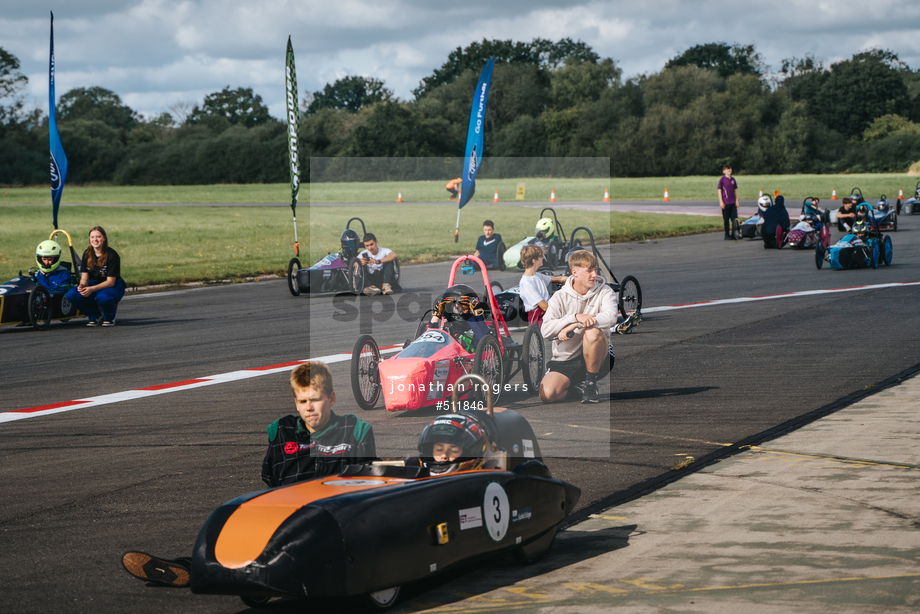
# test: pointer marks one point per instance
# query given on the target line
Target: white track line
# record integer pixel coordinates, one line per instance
(234, 376)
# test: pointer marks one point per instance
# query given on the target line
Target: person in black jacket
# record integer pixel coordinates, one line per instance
(313, 443)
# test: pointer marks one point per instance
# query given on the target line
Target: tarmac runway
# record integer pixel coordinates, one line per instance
(143, 470)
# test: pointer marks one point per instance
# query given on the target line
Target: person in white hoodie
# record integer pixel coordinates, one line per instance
(579, 317)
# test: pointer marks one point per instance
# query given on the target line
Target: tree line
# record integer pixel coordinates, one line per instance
(713, 104)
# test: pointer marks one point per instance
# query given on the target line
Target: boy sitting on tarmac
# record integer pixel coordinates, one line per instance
(379, 266)
(535, 286)
(315, 442)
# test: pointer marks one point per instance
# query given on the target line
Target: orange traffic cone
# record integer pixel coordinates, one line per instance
(552, 196)
(495, 200)
(666, 197)
(606, 196)
(399, 197)
(775, 193)
(834, 194)
(761, 194)
(900, 193)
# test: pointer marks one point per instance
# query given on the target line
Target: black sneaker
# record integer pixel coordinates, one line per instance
(575, 391)
(93, 323)
(152, 569)
(629, 323)
(108, 322)
(590, 393)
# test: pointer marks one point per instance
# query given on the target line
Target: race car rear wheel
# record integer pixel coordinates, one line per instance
(68, 310)
(736, 229)
(381, 601)
(887, 251)
(255, 602)
(487, 362)
(397, 270)
(894, 227)
(534, 357)
(779, 237)
(355, 276)
(365, 377)
(496, 287)
(630, 299)
(819, 256)
(293, 281)
(40, 308)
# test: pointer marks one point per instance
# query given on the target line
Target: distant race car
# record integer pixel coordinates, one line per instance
(885, 215)
(376, 527)
(549, 235)
(865, 246)
(24, 302)
(424, 372)
(339, 272)
(628, 292)
(813, 227)
(911, 206)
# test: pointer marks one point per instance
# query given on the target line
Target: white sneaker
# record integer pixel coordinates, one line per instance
(372, 291)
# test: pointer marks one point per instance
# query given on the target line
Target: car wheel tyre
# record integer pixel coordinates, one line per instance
(365, 377)
(500, 254)
(381, 601)
(819, 256)
(40, 308)
(355, 276)
(736, 229)
(496, 287)
(534, 357)
(779, 237)
(68, 309)
(292, 276)
(895, 223)
(630, 299)
(397, 270)
(533, 552)
(255, 602)
(487, 362)
(875, 254)
(887, 251)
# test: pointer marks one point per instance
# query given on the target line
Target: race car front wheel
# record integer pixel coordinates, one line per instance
(355, 276)
(534, 551)
(365, 377)
(736, 229)
(887, 251)
(819, 256)
(255, 602)
(40, 308)
(779, 237)
(630, 299)
(292, 276)
(534, 357)
(488, 363)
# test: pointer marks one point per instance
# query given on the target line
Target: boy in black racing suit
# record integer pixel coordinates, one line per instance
(314, 443)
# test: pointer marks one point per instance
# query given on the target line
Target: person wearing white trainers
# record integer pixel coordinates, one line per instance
(379, 267)
(578, 319)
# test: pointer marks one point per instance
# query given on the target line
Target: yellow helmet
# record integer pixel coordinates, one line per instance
(48, 249)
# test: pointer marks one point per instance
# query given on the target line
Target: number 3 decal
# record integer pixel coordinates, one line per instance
(496, 500)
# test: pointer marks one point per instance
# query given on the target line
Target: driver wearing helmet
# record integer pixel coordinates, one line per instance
(350, 244)
(51, 274)
(455, 442)
(460, 309)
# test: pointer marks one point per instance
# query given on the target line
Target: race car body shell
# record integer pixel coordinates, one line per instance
(14, 296)
(358, 532)
(422, 374)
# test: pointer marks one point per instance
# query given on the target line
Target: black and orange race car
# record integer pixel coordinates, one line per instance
(377, 527)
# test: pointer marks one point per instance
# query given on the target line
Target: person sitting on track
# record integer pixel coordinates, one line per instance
(535, 286)
(846, 214)
(315, 442)
(379, 267)
(579, 318)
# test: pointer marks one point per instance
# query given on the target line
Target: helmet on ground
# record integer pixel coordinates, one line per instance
(48, 249)
(457, 296)
(459, 435)
(350, 243)
(545, 228)
(763, 202)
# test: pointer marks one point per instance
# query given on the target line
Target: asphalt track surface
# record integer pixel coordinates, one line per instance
(79, 488)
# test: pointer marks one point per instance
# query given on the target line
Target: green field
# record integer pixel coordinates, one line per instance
(162, 245)
(537, 190)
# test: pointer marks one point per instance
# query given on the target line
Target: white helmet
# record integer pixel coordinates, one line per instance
(763, 202)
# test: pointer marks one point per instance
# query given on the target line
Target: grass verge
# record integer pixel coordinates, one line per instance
(537, 190)
(162, 245)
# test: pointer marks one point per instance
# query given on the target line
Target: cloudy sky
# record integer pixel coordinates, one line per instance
(155, 53)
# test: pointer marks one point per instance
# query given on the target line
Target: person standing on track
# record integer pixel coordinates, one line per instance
(728, 199)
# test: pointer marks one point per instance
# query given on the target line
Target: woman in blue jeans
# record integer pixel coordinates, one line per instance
(101, 285)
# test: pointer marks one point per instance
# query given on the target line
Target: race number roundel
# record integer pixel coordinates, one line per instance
(496, 511)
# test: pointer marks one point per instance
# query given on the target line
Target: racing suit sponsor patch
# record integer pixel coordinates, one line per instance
(292, 447)
(341, 448)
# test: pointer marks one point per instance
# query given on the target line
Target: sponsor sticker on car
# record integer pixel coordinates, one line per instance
(521, 515)
(470, 518)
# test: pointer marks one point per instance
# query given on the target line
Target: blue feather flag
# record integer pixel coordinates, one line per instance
(474, 140)
(58, 159)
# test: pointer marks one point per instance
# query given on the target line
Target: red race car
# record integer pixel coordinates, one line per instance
(461, 335)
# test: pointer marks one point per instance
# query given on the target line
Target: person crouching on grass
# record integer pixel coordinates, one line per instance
(314, 442)
(579, 317)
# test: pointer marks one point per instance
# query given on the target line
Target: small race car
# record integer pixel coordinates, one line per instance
(425, 371)
(549, 235)
(24, 302)
(813, 227)
(376, 527)
(339, 272)
(885, 215)
(910, 206)
(629, 292)
(865, 246)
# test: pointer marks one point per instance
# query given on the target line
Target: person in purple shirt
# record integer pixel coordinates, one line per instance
(728, 199)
